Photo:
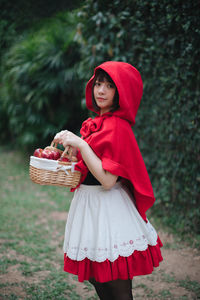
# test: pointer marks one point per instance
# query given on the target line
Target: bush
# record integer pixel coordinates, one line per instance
(162, 40)
(41, 91)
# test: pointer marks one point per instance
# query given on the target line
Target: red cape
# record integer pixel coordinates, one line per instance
(111, 136)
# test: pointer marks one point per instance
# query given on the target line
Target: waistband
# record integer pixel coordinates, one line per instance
(86, 187)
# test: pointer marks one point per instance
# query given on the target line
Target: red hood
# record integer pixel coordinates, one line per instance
(111, 136)
(129, 85)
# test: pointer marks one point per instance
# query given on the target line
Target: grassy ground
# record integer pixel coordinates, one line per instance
(32, 221)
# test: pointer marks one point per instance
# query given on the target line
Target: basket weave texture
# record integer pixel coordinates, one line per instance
(52, 172)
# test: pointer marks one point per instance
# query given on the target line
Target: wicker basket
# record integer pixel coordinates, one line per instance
(54, 172)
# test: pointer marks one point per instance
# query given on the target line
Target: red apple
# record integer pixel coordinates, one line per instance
(38, 152)
(65, 159)
(47, 154)
(56, 154)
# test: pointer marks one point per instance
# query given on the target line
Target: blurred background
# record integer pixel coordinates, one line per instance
(48, 50)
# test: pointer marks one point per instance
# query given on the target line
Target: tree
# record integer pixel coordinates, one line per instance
(41, 89)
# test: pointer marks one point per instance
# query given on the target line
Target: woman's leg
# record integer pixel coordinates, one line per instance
(120, 289)
(101, 289)
(113, 290)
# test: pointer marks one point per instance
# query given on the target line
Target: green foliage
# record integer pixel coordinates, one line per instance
(40, 86)
(16, 17)
(44, 73)
(162, 40)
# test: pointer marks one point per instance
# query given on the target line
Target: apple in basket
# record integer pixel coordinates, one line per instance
(47, 154)
(64, 159)
(38, 152)
(56, 154)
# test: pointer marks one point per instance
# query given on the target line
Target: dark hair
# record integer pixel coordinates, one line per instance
(101, 75)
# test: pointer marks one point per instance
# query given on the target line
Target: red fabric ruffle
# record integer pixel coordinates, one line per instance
(139, 263)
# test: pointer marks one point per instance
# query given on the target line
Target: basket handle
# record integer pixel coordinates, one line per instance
(69, 152)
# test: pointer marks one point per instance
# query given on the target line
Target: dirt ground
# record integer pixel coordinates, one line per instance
(177, 277)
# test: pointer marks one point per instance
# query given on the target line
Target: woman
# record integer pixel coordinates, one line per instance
(108, 239)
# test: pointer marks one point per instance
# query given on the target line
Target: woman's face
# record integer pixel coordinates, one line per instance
(104, 93)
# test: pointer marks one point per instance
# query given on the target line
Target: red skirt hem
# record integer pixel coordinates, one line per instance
(138, 263)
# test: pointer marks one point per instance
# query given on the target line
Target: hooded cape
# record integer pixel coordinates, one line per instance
(111, 136)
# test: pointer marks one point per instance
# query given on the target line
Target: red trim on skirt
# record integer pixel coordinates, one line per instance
(139, 263)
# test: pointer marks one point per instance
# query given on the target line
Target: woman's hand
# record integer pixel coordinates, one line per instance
(67, 138)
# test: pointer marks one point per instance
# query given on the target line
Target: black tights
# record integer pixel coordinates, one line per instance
(113, 290)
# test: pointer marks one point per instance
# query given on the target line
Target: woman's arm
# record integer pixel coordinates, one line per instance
(92, 161)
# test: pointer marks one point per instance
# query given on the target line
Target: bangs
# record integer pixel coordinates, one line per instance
(102, 76)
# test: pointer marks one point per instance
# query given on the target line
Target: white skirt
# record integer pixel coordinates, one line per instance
(105, 224)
